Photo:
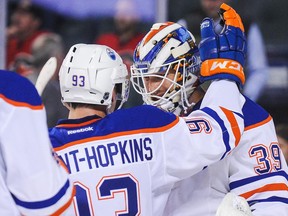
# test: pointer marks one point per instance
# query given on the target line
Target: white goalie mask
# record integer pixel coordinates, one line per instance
(89, 74)
(166, 67)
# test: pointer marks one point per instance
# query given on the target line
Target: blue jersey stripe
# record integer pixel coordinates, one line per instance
(270, 199)
(239, 114)
(44, 203)
(249, 180)
(225, 134)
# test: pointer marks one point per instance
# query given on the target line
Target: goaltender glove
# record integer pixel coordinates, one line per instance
(223, 55)
(233, 205)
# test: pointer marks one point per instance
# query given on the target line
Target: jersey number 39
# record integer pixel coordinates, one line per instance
(268, 159)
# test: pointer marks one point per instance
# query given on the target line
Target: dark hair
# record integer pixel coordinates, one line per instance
(92, 106)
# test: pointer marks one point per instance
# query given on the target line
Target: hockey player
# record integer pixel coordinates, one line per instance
(126, 162)
(255, 169)
(31, 181)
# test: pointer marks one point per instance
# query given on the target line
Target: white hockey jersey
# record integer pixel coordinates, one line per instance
(255, 170)
(128, 162)
(31, 181)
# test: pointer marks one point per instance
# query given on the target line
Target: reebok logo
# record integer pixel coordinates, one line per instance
(80, 130)
(226, 64)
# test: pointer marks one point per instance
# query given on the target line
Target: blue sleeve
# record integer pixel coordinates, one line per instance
(18, 89)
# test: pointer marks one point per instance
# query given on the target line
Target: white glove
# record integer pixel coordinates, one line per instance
(233, 205)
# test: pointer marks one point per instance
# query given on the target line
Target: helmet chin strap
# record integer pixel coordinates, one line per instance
(109, 110)
(111, 107)
(169, 106)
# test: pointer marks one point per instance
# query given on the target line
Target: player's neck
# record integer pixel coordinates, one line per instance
(82, 112)
(194, 98)
(197, 95)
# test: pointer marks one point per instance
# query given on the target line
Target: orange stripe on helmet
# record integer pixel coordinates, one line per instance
(153, 32)
(231, 17)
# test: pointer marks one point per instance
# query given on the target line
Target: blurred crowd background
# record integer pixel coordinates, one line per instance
(58, 24)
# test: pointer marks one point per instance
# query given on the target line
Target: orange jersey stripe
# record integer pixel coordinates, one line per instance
(62, 164)
(21, 104)
(66, 205)
(234, 125)
(117, 134)
(78, 125)
(269, 118)
(268, 187)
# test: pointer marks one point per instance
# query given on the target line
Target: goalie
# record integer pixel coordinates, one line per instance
(165, 74)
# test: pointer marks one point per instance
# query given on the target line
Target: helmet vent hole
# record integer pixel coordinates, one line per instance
(71, 59)
(102, 101)
(74, 49)
(68, 70)
(90, 60)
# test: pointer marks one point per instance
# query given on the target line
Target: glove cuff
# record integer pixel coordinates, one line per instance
(222, 69)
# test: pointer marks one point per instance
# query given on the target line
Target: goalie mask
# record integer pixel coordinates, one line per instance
(89, 74)
(166, 67)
